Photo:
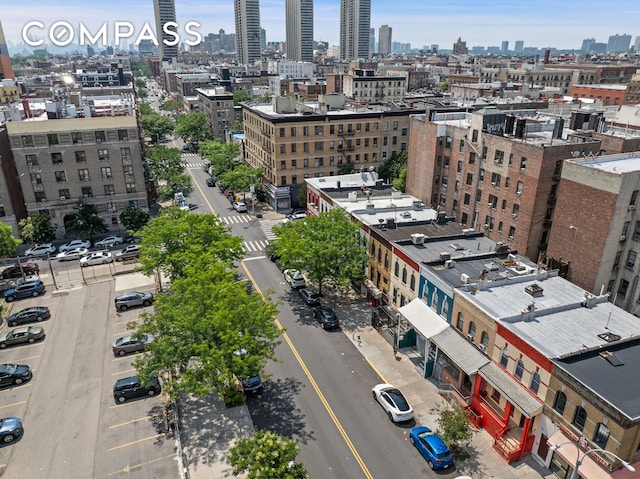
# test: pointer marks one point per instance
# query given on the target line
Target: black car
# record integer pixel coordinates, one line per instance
(252, 385)
(15, 270)
(10, 429)
(25, 290)
(310, 297)
(131, 388)
(14, 374)
(211, 182)
(326, 317)
(28, 315)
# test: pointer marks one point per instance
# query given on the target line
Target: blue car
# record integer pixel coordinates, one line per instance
(10, 429)
(25, 290)
(432, 447)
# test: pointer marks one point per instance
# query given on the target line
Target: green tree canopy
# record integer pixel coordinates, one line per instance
(133, 218)
(140, 83)
(193, 126)
(328, 247)
(237, 125)
(140, 68)
(85, 221)
(145, 109)
(209, 332)
(266, 456)
(37, 229)
(143, 93)
(222, 156)
(171, 105)
(400, 183)
(8, 243)
(164, 162)
(346, 169)
(454, 427)
(390, 169)
(157, 126)
(241, 177)
(180, 183)
(176, 239)
(239, 96)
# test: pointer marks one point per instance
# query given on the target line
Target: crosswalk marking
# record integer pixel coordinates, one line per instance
(195, 165)
(230, 220)
(253, 246)
(266, 227)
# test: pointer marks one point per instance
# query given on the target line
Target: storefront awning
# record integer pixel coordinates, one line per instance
(373, 289)
(460, 351)
(569, 452)
(511, 389)
(423, 319)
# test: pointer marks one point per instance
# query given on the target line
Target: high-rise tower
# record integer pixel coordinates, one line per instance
(384, 40)
(355, 22)
(6, 70)
(299, 16)
(165, 11)
(247, 13)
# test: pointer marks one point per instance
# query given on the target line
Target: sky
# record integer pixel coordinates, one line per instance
(543, 23)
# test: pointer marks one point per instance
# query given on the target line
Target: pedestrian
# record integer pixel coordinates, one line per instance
(395, 351)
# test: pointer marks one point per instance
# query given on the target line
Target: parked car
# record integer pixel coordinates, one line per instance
(43, 249)
(25, 290)
(393, 402)
(109, 241)
(326, 317)
(296, 215)
(10, 429)
(240, 206)
(29, 315)
(432, 447)
(131, 344)
(309, 296)
(71, 254)
(14, 374)
(294, 278)
(130, 252)
(131, 388)
(135, 239)
(74, 244)
(28, 334)
(252, 385)
(211, 182)
(6, 284)
(133, 299)
(15, 270)
(99, 257)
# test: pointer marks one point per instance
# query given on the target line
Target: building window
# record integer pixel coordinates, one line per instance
(601, 436)
(319, 130)
(469, 179)
(404, 275)
(109, 190)
(123, 135)
(283, 163)
(41, 197)
(519, 186)
(460, 321)
(434, 300)
(36, 178)
(292, 131)
(396, 269)
(81, 157)
(103, 154)
(125, 153)
(31, 159)
(484, 340)
(495, 395)
(560, 402)
(622, 289)
(83, 174)
(64, 194)
(535, 382)
(61, 176)
(305, 131)
(519, 369)
(445, 309)
(128, 170)
(131, 187)
(100, 136)
(504, 357)
(472, 158)
(56, 158)
(283, 180)
(379, 255)
(412, 283)
(281, 132)
(523, 163)
(27, 141)
(616, 261)
(105, 171)
(293, 148)
(579, 418)
(52, 139)
(631, 259)
(87, 192)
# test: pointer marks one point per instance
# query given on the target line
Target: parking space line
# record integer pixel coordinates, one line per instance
(126, 356)
(127, 469)
(14, 404)
(126, 333)
(124, 372)
(148, 438)
(117, 323)
(129, 422)
(20, 361)
(24, 385)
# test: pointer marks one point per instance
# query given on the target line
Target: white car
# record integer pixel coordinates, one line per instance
(393, 402)
(295, 216)
(109, 241)
(75, 253)
(74, 244)
(294, 278)
(41, 250)
(99, 257)
(240, 206)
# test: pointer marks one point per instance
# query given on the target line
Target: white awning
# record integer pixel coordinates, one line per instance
(423, 319)
(513, 390)
(466, 356)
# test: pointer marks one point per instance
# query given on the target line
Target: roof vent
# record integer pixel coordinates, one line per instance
(457, 246)
(468, 231)
(371, 208)
(445, 256)
(417, 238)
(611, 358)
(534, 290)
(610, 337)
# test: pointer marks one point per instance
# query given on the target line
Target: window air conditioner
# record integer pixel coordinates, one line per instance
(29, 164)
(43, 200)
(632, 207)
(510, 238)
(515, 215)
(62, 198)
(482, 347)
(623, 237)
(470, 337)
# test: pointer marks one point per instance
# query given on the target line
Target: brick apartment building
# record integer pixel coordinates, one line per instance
(607, 94)
(217, 104)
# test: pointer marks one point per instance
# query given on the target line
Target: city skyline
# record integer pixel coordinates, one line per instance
(543, 24)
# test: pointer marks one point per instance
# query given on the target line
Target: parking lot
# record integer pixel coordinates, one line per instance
(73, 426)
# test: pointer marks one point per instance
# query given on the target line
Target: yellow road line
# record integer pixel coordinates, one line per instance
(315, 386)
(195, 183)
(148, 438)
(20, 361)
(14, 404)
(129, 422)
(376, 371)
(125, 372)
(127, 469)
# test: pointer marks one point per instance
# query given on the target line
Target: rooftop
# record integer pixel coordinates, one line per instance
(617, 164)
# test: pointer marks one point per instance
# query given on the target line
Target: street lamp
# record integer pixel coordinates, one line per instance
(579, 460)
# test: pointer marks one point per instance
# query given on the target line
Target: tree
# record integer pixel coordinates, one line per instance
(329, 247)
(210, 332)
(140, 83)
(176, 238)
(133, 218)
(266, 456)
(85, 221)
(241, 177)
(145, 109)
(143, 93)
(444, 86)
(237, 125)
(37, 229)
(266, 98)
(180, 183)
(140, 68)
(346, 169)
(193, 126)
(222, 156)
(157, 126)
(400, 183)
(8, 243)
(164, 163)
(239, 96)
(390, 169)
(454, 428)
(171, 105)
(302, 195)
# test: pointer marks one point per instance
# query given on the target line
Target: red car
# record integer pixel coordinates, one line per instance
(13, 271)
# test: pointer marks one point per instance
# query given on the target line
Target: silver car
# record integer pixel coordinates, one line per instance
(133, 299)
(131, 344)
